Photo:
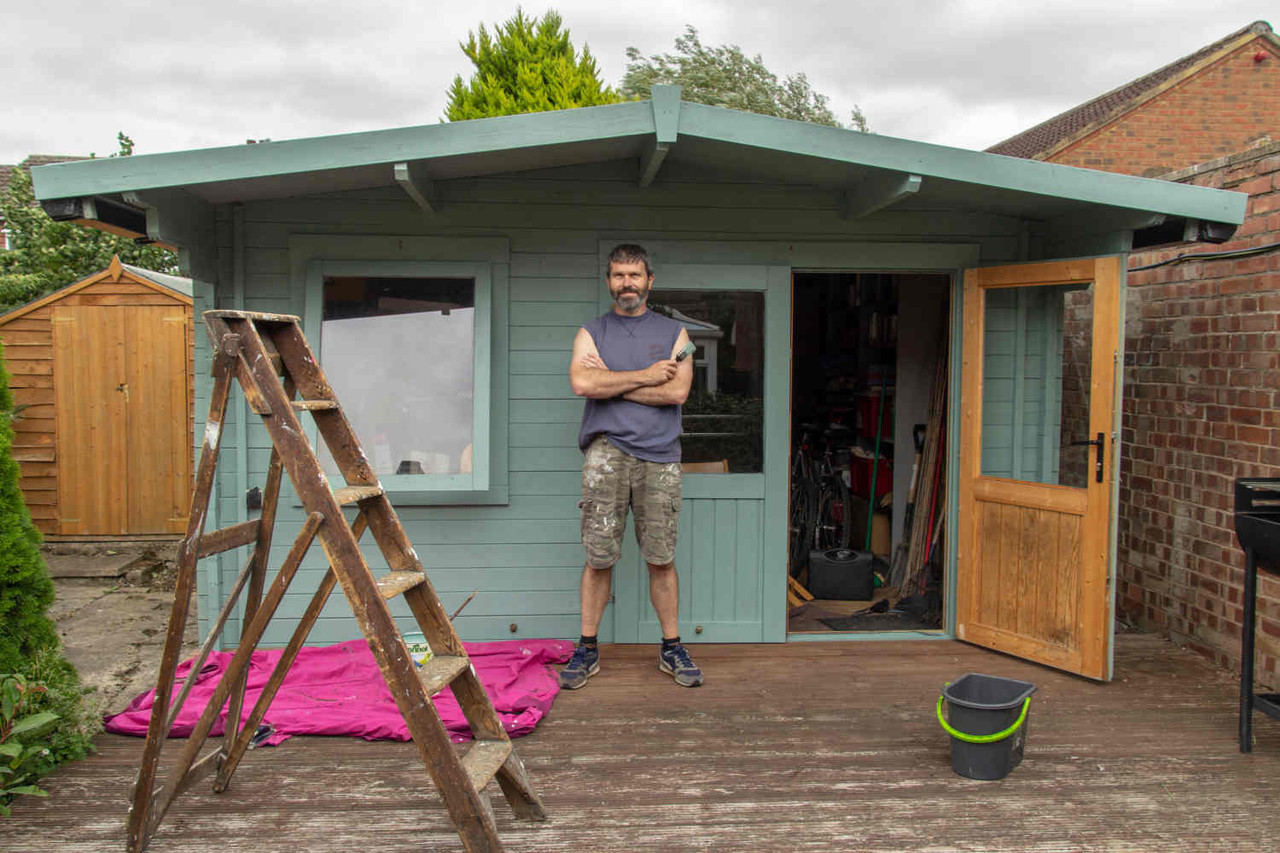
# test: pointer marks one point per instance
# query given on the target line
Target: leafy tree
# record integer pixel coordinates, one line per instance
(726, 77)
(527, 66)
(45, 255)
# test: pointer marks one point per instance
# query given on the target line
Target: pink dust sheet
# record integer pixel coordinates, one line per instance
(338, 690)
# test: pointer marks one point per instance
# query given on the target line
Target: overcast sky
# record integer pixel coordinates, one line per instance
(184, 75)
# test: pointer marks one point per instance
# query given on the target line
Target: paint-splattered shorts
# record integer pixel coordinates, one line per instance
(612, 481)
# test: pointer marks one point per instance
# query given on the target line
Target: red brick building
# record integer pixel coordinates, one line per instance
(1219, 100)
(1202, 336)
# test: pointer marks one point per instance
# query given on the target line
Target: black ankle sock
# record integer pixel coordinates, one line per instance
(588, 641)
(668, 643)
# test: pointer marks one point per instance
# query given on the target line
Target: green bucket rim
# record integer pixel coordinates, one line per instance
(992, 738)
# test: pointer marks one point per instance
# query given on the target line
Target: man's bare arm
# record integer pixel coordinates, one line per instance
(675, 390)
(589, 377)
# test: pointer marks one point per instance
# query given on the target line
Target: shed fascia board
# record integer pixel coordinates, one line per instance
(958, 164)
(317, 154)
(636, 119)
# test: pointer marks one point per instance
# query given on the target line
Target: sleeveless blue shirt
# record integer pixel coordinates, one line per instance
(651, 433)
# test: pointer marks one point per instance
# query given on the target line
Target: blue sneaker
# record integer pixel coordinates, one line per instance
(584, 664)
(676, 662)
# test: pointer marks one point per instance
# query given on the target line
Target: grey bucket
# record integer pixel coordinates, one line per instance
(988, 724)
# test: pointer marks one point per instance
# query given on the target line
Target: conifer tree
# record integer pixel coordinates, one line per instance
(528, 65)
(26, 591)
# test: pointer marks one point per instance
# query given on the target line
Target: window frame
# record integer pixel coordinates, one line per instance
(486, 484)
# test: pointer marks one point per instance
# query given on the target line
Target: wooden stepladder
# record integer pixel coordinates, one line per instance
(273, 363)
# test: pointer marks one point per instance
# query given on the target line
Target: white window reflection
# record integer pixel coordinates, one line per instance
(399, 353)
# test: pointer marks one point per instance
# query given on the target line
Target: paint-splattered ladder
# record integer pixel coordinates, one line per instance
(270, 357)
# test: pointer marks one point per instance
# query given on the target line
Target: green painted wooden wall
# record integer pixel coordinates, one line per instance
(524, 556)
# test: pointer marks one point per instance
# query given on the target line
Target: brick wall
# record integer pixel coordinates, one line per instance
(1075, 463)
(1223, 109)
(1201, 408)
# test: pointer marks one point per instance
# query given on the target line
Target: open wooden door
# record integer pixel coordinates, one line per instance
(1037, 461)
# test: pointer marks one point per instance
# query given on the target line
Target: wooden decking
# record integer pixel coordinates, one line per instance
(808, 746)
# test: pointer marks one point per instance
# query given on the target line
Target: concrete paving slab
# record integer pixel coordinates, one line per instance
(114, 635)
(89, 565)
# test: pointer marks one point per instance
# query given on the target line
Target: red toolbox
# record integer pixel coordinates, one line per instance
(860, 477)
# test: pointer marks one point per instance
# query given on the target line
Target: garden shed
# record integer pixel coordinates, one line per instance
(442, 271)
(103, 372)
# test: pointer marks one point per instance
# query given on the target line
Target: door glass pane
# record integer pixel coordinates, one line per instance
(1037, 348)
(724, 415)
(399, 353)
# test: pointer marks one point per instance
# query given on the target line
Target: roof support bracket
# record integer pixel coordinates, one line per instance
(175, 217)
(666, 123)
(877, 192)
(181, 221)
(417, 184)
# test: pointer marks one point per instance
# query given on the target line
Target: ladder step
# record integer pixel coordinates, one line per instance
(352, 494)
(399, 582)
(483, 760)
(314, 405)
(440, 671)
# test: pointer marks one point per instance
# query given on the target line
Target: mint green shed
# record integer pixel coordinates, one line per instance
(506, 222)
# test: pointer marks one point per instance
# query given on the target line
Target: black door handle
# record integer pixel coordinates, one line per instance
(1100, 443)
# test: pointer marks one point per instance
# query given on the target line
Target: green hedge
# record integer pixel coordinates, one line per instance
(29, 644)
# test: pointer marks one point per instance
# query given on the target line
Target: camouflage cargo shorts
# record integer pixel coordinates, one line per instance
(612, 481)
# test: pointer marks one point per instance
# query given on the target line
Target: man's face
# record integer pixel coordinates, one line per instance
(629, 284)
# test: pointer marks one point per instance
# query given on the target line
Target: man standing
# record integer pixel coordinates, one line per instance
(624, 364)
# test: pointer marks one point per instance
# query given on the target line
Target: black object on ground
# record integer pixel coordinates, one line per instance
(1258, 529)
(842, 574)
(980, 706)
(868, 620)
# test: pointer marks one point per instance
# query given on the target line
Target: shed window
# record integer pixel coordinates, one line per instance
(724, 415)
(407, 347)
(399, 352)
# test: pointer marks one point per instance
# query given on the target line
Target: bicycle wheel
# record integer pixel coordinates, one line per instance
(831, 526)
(799, 529)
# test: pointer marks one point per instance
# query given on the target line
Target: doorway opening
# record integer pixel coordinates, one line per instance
(867, 460)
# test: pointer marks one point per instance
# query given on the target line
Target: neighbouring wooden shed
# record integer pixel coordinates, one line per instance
(441, 273)
(104, 370)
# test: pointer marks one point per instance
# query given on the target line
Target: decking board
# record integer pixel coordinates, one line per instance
(807, 746)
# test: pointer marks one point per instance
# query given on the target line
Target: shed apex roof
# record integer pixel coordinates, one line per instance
(175, 283)
(1043, 139)
(693, 136)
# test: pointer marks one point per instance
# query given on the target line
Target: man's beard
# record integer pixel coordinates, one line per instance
(629, 299)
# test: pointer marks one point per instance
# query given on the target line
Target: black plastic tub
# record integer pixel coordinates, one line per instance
(988, 724)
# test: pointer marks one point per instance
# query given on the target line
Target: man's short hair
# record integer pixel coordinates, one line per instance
(629, 253)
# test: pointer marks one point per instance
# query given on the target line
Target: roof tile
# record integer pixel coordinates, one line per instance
(1031, 144)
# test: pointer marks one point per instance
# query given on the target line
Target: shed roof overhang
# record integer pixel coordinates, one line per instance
(868, 172)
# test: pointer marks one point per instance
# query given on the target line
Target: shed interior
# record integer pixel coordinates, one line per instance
(862, 377)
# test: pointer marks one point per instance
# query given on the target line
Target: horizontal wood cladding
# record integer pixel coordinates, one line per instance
(524, 557)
